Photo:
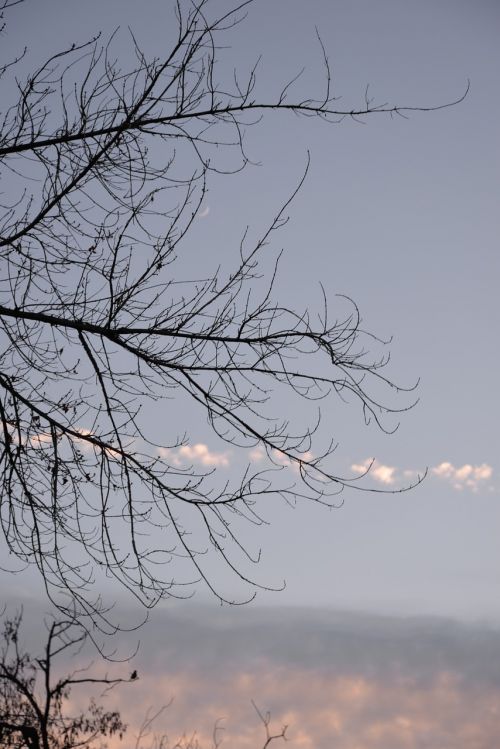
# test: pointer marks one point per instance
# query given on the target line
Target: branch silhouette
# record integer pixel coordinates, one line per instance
(101, 324)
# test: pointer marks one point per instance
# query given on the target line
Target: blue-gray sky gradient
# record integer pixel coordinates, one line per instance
(401, 215)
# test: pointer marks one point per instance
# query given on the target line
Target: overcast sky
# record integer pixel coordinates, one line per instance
(402, 216)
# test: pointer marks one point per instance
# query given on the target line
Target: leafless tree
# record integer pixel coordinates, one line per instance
(104, 168)
(34, 710)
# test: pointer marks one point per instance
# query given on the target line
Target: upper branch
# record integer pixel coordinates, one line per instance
(102, 322)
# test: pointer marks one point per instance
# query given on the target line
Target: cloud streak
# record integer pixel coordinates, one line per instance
(472, 477)
(381, 473)
(467, 476)
(198, 453)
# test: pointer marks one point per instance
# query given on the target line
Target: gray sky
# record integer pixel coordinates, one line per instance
(401, 215)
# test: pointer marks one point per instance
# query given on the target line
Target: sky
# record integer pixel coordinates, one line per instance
(391, 610)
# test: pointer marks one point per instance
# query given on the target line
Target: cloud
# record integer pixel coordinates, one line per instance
(276, 458)
(337, 679)
(384, 474)
(198, 453)
(39, 440)
(381, 473)
(467, 476)
(257, 454)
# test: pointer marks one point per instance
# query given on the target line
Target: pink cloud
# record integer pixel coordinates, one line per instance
(321, 710)
(198, 453)
(342, 681)
(381, 473)
(467, 476)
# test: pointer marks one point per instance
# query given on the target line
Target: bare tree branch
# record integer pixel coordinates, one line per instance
(107, 169)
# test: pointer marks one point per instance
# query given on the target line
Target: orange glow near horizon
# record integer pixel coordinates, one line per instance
(321, 710)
